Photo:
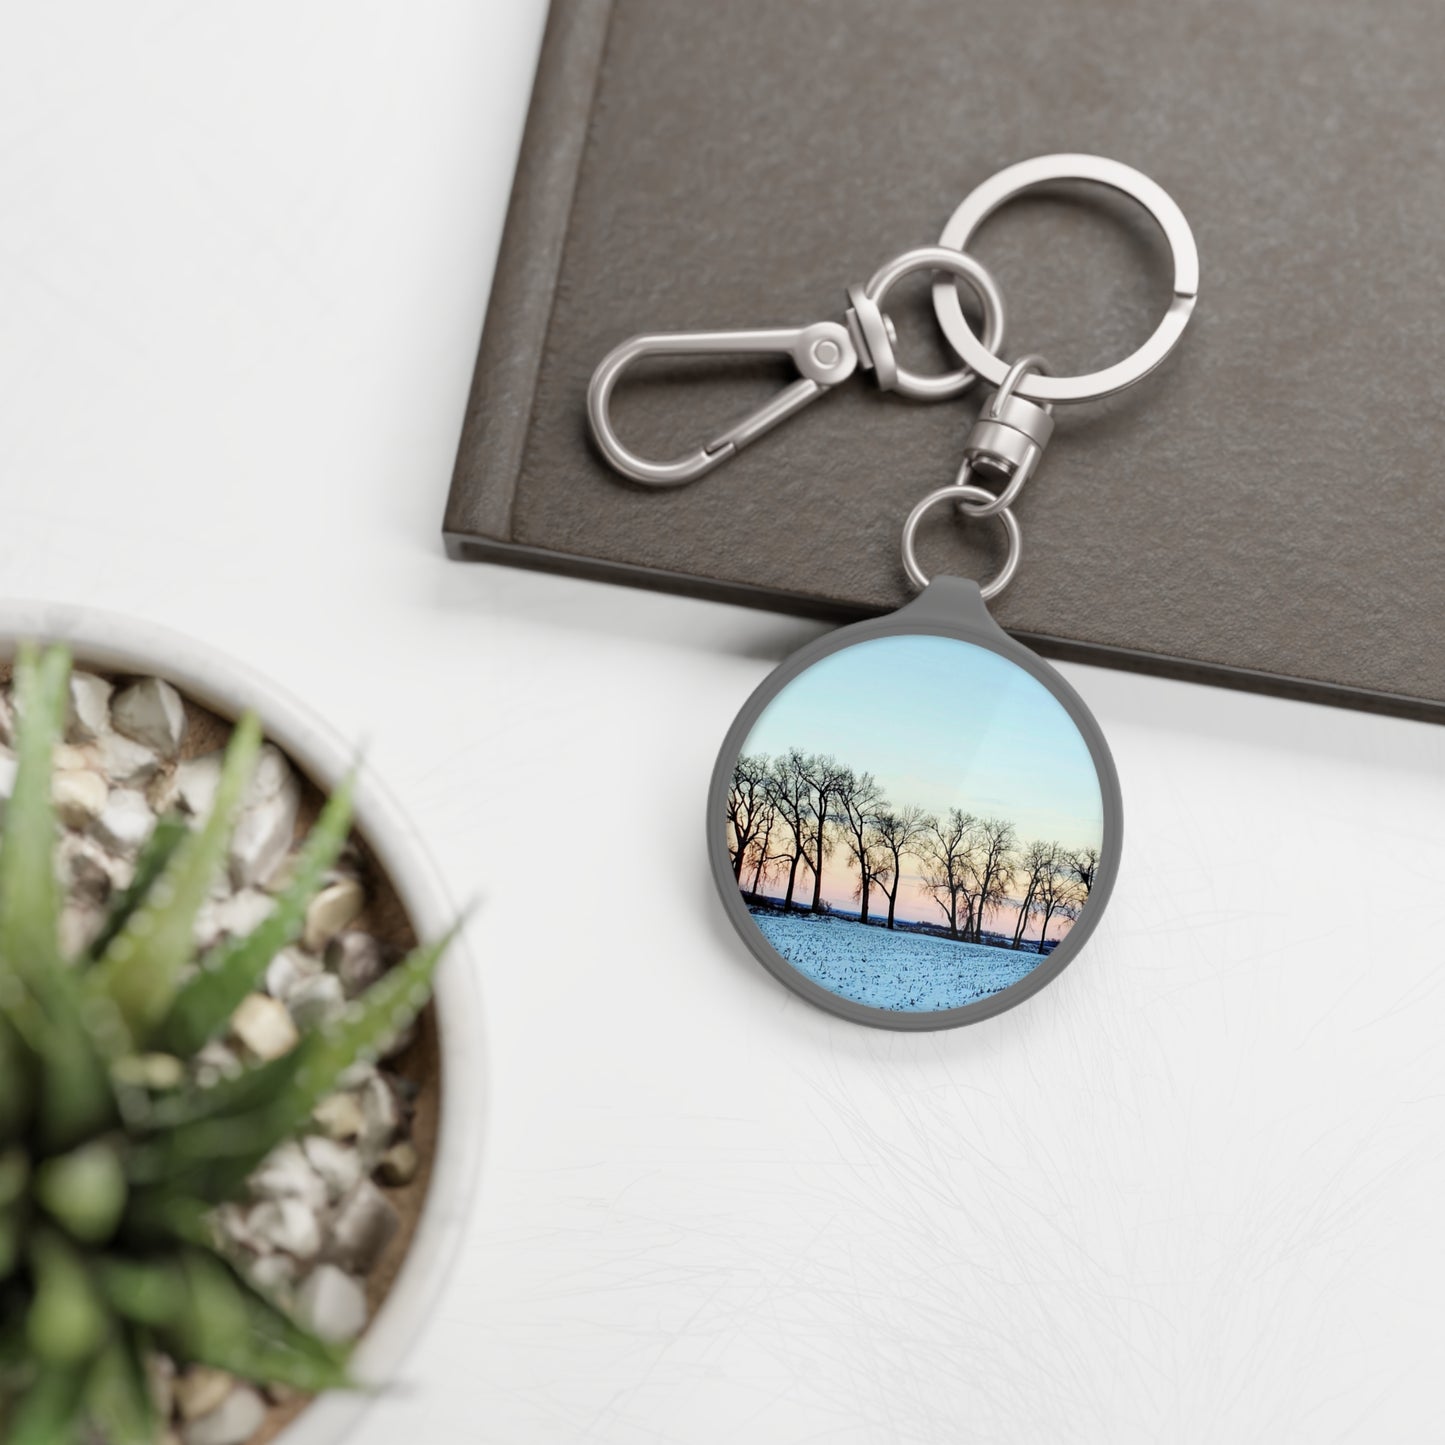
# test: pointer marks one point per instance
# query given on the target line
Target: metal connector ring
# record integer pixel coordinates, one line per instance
(960, 267)
(951, 495)
(1044, 170)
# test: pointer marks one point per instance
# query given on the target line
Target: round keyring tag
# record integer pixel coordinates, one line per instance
(915, 822)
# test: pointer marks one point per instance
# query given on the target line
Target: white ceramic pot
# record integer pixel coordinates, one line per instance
(111, 643)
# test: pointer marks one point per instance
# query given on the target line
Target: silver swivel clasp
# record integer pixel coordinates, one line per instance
(1005, 444)
(1007, 440)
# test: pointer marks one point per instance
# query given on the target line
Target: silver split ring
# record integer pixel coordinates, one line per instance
(1013, 181)
(952, 494)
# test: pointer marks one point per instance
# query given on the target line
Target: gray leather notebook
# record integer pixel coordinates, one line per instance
(1262, 512)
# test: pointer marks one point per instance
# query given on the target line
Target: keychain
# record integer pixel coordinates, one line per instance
(915, 822)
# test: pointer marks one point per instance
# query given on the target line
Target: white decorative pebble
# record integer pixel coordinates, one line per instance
(287, 1225)
(241, 913)
(399, 1042)
(123, 760)
(271, 773)
(196, 782)
(232, 1422)
(288, 969)
(74, 757)
(80, 923)
(151, 712)
(160, 1381)
(399, 1164)
(263, 834)
(216, 1060)
(339, 1117)
(334, 908)
(89, 714)
(357, 959)
(353, 1078)
(263, 1026)
(338, 1166)
(125, 822)
(316, 1002)
(84, 868)
(331, 1304)
(286, 1173)
(79, 797)
(364, 1224)
(382, 1115)
(272, 1273)
(200, 1389)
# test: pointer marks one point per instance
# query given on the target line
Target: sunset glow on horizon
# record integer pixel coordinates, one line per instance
(940, 723)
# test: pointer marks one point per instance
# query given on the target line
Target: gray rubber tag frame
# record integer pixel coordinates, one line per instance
(949, 607)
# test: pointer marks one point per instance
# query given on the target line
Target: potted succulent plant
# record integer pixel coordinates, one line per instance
(195, 1140)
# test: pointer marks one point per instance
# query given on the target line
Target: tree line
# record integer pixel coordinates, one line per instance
(787, 815)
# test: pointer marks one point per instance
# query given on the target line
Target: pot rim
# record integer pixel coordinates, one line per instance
(117, 642)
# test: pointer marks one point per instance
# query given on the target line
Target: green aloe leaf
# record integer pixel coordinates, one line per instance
(280, 1351)
(68, 1321)
(29, 894)
(49, 1413)
(169, 1213)
(168, 835)
(37, 991)
(369, 1023)
(252, 1088)
(15, 1093)
(84, 1190)
(222, 1152)
(204, 1006)
(230, 1326)
(118, 1398)
(75, 1099)
(137, 972)
(183, 1161)
(14, 1176)
(146, 1292)
(10, 1236)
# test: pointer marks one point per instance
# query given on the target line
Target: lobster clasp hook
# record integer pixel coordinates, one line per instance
(823, 353)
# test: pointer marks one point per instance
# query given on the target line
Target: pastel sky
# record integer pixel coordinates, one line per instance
(941, 723)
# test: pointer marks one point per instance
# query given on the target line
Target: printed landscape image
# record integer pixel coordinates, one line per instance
(914, 823)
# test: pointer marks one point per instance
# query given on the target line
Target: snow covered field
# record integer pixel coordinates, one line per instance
(912, 971)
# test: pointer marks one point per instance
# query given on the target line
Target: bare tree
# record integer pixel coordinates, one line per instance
(1033, 862)
(859, 800)
(747, 800)
(761, 857)
(947, 853)
(1058, 892)
(1084, 863)
(823, 775)
(895, 832)
(788, 792)
(994, 865)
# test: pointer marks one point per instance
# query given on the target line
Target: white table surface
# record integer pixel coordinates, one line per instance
(1191, 1192)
